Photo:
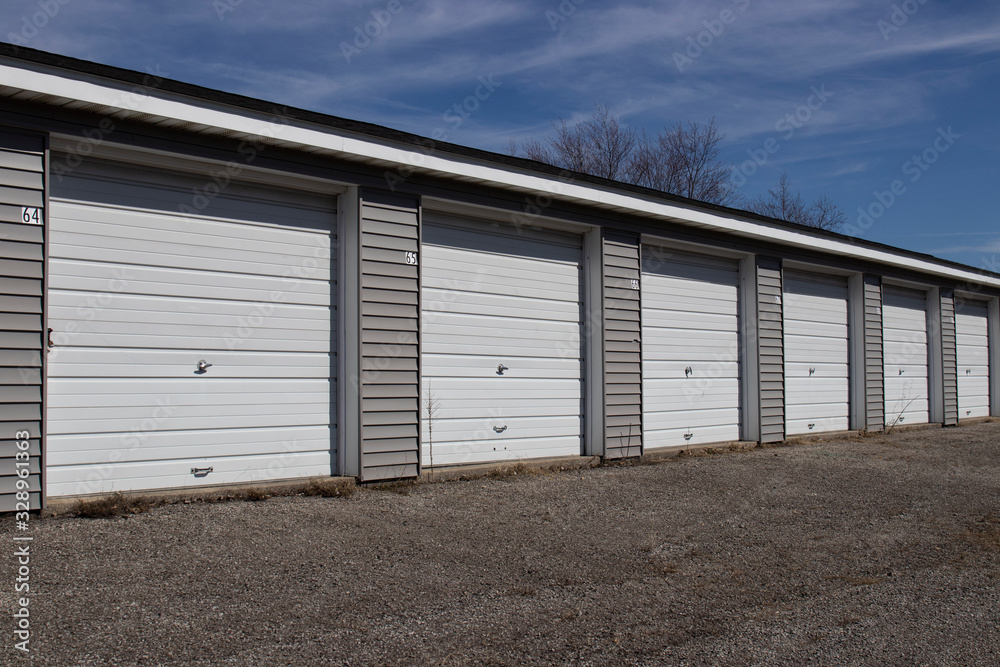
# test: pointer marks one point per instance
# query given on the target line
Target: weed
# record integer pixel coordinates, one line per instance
(329, 488)
(113, 506)
(519, 468)
(253, 494)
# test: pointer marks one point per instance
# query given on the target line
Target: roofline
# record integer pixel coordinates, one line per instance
(383, 135)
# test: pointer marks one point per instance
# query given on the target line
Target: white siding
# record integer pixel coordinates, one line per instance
(816, 353)
(139, 294)
(490, 299)
(972, 329)
(690, 309)
(904, 327)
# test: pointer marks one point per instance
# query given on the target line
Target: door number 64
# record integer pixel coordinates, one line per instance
(31, 215)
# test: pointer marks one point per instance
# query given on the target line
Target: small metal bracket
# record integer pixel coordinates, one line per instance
(203, 366)
(500, 429)
(501, 368)
(811, 371)
(688, 372)
(688, 436)
(201, 472)
(812, 426)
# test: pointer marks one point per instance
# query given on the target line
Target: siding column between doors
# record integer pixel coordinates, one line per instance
(23, 217)
(389, 380)
(771, 356)
(874, 418)
(622, 345)
(949, 357)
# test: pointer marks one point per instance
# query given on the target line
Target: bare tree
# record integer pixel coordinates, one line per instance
(683, 159)
(783, 204)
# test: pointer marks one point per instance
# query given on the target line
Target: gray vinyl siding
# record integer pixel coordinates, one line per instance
(22, 312)
(770, 331)
(949, 357)
(873, 364)
(390, 334)
(622, 348)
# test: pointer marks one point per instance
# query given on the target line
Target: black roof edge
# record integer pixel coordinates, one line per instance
(380, 132)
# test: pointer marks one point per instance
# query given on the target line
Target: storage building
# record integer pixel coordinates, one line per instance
(199, 288)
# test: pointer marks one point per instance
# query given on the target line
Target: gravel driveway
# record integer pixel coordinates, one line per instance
(857, 551)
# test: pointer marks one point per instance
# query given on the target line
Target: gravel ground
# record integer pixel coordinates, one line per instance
(873, 551)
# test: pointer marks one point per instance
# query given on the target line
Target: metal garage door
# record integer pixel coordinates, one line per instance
(690, 349)
(816, 353)
(140, 295)
(500, 347)
(904, 327)
(972, 329)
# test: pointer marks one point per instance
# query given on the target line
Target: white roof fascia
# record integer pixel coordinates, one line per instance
(136, 99)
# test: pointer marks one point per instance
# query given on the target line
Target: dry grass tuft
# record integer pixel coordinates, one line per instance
(330, 488)
(113, 506)
(519, 468)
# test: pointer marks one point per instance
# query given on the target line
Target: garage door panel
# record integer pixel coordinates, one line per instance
(973, 362)
(453, 303)
(125, 225)
(489, 299)
(87, 247)
(813, 424)
(801, 370)
(190, 444)
(816, 353)
(690, 346)
(458, 429)
(474, 366)
(698, 435)
(72, 480)
(75, 276)
(140, 296)
(476, 451)
(905, 355)
(685, 388)
(674, 320)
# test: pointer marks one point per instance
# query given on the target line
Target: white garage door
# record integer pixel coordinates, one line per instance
(500, 347)
(140, 294)
(690, 349)
(816, 353)
(904, 334)
(972, 328)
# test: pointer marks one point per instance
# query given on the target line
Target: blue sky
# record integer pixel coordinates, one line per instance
(882, 96)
